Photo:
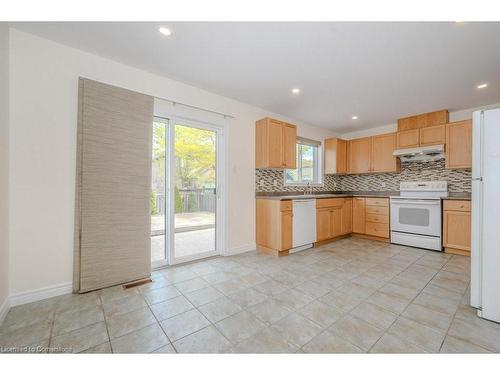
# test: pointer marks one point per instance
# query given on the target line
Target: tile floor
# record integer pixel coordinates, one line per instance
(350, 296)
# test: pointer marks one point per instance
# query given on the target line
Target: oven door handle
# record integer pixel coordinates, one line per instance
(423, 203)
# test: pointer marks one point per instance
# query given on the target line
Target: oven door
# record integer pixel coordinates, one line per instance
(419, 216)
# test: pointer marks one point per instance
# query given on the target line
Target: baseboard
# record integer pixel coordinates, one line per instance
(241, 249)
(4, 309)
(40, 294)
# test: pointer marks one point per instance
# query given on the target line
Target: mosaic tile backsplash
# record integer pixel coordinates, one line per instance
(459, 180)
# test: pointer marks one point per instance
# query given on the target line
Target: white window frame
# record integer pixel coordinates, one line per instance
(318, 178)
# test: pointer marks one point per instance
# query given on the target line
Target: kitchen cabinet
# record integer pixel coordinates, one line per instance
(275, 144)
(382, 147)
(371, 217)
(459, 145)
(358, 215)
(323, 224)
(347, 216)
(432, 135)
(372, 154)
(359, 155)
(335, 155)
(274, 227)
(332, 218)
(422, 130)
(408, 138)
(428, 136)
(423, 120)
(457, 227)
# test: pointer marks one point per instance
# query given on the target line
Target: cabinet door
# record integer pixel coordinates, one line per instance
(359, 155)
(347, 216)
(457, 230)
(433, 135)
(286, 230)
(382, 148)
(408, 138)
(275, 143)
(336, 221)
(358, 215)
(323, 224)
(459, 144)
(289, 146)
(341, 156)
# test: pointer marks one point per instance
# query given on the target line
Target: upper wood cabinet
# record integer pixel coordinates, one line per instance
(430, 135)
(423, 120)
(335, 155)
(382, 148)
(433, 135)
(373, 154)
(408, 138)
(359, 155)
(422, 130)
(459, 144)
(275, 144)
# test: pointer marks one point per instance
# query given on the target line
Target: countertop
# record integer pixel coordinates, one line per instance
(343, 194)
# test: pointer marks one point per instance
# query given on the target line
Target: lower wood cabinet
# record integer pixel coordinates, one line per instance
(457, 227)
(371, 216)
(358, 215)
(333, 218)
(274, 227)
(347, 216)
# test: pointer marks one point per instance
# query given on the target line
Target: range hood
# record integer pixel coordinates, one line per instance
(426, 153)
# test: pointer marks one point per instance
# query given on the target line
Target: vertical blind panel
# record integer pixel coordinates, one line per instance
(115, 136)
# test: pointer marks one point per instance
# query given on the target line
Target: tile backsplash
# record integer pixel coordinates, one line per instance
(459, 180)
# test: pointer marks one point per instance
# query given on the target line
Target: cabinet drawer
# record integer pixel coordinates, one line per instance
(383, 202)
(377, 229)
(374, 218)
(329, 202)
(377, 210)
(286, 206)
(451, 205)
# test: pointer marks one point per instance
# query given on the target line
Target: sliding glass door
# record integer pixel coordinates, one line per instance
(186, 204)
(195, 191)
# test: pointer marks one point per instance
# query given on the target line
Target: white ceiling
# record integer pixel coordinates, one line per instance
(378, 71)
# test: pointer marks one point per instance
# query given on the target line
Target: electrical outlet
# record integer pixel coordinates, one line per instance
(275, 183)
(383, 184)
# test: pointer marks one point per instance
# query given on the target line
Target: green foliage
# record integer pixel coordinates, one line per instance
(178, 201)
(152, 203)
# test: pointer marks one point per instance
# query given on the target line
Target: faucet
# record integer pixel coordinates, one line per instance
(308, 189)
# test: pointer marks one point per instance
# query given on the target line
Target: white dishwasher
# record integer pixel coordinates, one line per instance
(304, 224)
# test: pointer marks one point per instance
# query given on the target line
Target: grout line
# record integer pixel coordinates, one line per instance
(400, 314)
(106, 324)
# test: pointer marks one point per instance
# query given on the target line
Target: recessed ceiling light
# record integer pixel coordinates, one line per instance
(354, 117)
(482, 85)
(295, 91)
(164, 31)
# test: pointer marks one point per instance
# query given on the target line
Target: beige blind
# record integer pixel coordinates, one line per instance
(113, 186)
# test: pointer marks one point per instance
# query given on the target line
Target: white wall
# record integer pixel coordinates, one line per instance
(459, 115)
(43, 103)
(4, 168)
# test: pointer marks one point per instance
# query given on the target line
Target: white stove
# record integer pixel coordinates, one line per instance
(416, 214)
